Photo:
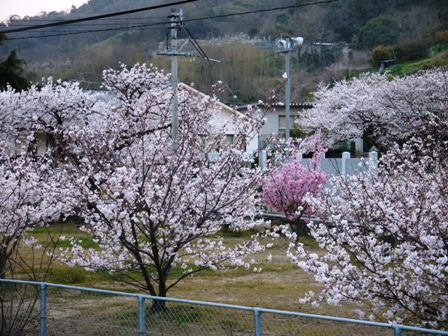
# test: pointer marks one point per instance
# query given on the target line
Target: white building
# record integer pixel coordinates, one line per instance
(276, 124)
(225, 118)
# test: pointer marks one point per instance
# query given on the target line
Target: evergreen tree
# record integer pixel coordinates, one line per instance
(11, 71)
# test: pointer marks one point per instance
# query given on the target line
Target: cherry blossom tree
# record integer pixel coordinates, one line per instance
(34, 192)
(379, 108)
(156, 210)
(35, 189)
(386, 236)
(31, 197)
(286, 186)
(28, 199)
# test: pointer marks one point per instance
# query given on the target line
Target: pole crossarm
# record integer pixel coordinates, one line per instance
(176, 53)
(284, 51)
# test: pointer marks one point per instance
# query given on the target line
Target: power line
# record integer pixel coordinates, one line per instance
(263, 10)
(97, 17)
(251, 60)
(89, 31)
(60, 23)
(190, 37)
(111, 23)
(18, 23)
(196, 44)
(209, 62)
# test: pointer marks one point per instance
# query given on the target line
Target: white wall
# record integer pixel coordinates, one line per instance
(225, 117)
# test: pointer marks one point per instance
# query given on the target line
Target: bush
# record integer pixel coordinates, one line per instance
(412, 49)
(441, 37)
(380, 53)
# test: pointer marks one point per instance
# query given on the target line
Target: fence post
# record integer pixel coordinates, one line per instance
(373, 157)
(262, 158)
(141, 315)
(43, 309)
(345, 157)
(257, 322)
(398, 331)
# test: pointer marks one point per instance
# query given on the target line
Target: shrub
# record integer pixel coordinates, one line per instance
(379, 54)
(441, 37)
(412, 49)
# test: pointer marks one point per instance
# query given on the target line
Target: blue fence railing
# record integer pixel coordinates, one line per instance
(36, 308)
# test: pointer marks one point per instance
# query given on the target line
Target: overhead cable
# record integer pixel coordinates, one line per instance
(203, 55)
(263, 10)
(60, 23)
(97, 17)
(90, 31)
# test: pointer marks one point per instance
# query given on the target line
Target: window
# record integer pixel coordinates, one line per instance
(37, 146)
(229, 139)
(282, 125)
(232, 139)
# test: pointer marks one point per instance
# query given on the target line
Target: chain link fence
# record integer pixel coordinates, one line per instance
(30, 308)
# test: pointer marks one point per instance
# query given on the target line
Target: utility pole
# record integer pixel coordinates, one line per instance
(284, 47)
(288, 91)
(176, 19)
(176, 24)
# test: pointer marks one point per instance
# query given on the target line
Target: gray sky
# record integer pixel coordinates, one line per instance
(34, 7)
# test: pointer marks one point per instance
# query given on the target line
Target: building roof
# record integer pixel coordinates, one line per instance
(277, 104)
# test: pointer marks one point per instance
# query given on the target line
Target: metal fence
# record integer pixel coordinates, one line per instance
(346, 165)
(32, 308)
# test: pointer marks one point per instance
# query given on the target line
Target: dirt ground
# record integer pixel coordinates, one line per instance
(280, 285)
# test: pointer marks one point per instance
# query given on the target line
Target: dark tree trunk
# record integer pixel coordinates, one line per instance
(300, 228)
(159, 305)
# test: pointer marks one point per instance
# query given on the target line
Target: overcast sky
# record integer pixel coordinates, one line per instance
(34, 7)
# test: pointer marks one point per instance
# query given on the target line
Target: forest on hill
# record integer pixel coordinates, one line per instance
(342, 37)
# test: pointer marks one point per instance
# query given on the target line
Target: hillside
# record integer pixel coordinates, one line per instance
(339, 36)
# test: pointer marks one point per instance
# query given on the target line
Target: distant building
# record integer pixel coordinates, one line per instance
(276, 119)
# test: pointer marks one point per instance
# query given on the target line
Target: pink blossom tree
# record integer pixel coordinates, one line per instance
(286, 186)
(385, 234)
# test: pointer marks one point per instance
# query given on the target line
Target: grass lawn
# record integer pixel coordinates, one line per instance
(280, 285)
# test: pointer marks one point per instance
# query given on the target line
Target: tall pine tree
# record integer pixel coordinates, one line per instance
(11, 71)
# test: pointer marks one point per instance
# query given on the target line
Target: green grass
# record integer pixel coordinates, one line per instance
(237, 234)
(185, 314)
(279, 286)
(440, 59)
(70, 276)
(74, 276)
(83, 240)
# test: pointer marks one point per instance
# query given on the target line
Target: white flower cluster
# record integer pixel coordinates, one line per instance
(150, 207)
(385, 237)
